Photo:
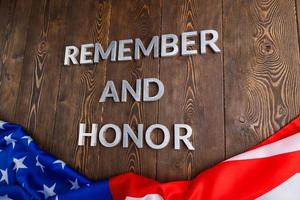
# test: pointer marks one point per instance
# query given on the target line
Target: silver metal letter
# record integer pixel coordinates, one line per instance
(160, 92)
(122, 50)
(138, 140)
(154, 44)
(127, 87)
(109, 87)
(71, 53)
(84, 53)
(102, 138)
(184, 138)
(166, 136)
(185, 43)
(83, 134)
(210, 43)
(111, 49)
(166, 44)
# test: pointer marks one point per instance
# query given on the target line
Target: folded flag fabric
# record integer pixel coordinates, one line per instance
(268, 171)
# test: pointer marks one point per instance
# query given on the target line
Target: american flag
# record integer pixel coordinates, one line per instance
(268, 171)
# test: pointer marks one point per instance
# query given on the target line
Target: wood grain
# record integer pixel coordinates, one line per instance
(261, 63)
(129, 20)
(14, 19)
(92, 111)
(190, 97)
(75, 89)
(232, 100)
(38, 91)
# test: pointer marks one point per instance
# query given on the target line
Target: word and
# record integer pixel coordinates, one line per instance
(110, 90)
(137, 139)
(164, 46)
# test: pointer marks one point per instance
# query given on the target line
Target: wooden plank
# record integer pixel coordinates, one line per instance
(14, 20)
(41, 70)
(7, 15)
(297, 3)
(261, 70)
(94, 81)
(75, 89)
(193, 92)
(6, 20)
(130, 20)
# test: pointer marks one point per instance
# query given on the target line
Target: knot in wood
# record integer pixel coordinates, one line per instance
(267, 47)
(242, 119)
(281, 110)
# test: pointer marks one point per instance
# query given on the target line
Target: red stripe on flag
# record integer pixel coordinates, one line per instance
(239, 179)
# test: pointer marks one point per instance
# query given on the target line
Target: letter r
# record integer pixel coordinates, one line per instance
(71, 53)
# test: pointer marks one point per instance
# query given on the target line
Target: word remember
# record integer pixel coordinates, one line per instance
(164, 46)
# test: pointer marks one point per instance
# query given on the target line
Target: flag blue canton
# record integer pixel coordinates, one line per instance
(27, 172)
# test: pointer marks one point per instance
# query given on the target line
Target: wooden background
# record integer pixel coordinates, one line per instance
(232, 100)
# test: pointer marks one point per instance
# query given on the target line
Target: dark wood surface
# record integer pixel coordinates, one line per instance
(232, 100)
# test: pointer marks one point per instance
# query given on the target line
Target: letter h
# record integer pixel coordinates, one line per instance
(83, 134)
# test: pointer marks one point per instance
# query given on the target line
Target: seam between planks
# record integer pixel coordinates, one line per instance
(224, 95)
(159, 65)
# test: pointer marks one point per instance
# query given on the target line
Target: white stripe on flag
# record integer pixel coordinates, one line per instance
(286, 145)
(287, 190)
